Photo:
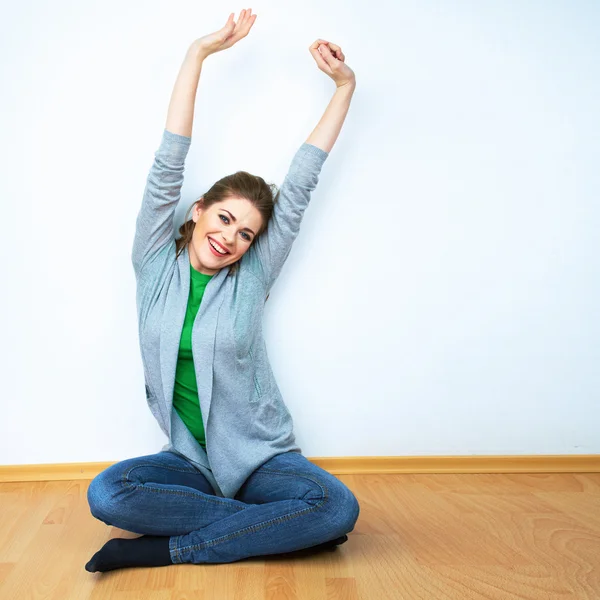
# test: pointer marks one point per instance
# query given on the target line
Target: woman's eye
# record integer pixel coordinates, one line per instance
(246, 236)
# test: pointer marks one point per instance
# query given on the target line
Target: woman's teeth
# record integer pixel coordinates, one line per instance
(217, 249)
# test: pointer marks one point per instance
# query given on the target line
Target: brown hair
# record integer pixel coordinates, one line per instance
(241, 184)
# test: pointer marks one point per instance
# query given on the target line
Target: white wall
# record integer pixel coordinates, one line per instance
(469, 158)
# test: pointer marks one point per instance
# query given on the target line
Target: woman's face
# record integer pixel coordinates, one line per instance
(231, 225)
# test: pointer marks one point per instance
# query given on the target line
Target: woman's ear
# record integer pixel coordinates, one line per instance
(198, 209)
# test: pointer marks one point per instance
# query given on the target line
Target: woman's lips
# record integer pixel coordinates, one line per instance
(214, 251)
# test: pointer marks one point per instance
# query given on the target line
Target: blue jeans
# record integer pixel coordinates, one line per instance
(286, 504)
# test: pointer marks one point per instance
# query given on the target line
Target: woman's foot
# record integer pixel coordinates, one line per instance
(153, 551)
(329, 545)
(145, 551)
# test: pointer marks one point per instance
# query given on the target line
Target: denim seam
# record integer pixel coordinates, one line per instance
(176, 552)
(168, 468)
(139, 486)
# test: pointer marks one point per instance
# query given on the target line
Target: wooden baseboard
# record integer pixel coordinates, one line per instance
(356, 465)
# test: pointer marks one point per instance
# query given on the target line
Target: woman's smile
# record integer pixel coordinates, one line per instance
(215, 252)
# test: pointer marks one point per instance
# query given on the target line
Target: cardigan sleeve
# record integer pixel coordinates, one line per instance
(154, 224)
(273, 247)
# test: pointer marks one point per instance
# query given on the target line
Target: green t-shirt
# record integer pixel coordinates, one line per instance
(185, 393)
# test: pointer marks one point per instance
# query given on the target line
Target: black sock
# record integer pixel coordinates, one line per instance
(145, 551)
(329, 545)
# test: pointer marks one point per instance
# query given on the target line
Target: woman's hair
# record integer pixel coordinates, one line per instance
(241, 184)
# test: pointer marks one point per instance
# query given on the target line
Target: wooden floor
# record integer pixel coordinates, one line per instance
(433, 537)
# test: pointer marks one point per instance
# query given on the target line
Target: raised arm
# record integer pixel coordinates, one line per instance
(273, 247)
(180, 117)
(328, 129)
(154, 229)
(330, 59)
(154, 225)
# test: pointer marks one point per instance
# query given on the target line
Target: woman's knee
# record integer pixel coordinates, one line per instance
(349, 510)
(342, 508)
(101, 494)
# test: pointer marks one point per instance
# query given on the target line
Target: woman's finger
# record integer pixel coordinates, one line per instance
(317, 43)
(245, 22)
(242, 27)
(337, 51)
(320, 60)
(251, 21)
(238, 24)
(327, 55)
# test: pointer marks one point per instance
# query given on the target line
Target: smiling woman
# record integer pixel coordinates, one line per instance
(230, 236)
(233, 213)
(232, 481)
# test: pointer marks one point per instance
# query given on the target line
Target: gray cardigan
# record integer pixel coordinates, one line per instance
(245, 418)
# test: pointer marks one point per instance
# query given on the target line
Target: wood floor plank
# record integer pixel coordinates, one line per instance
(500, 583)
(21, 514)
(443, 537)
(386, 570)
(341, 588)
(581, 506)
(191, 594)
(5, 569)
(78, 549)
(29, 579)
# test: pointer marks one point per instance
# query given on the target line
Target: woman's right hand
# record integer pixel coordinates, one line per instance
(227, 36)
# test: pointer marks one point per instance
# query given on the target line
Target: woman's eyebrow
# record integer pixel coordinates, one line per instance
(235, 221)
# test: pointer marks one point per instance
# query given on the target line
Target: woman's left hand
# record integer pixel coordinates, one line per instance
(227, 36)
(330, 59)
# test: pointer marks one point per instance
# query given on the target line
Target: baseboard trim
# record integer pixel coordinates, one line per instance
(355, 465)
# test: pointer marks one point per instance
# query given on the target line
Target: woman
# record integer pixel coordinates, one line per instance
(234, 485)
